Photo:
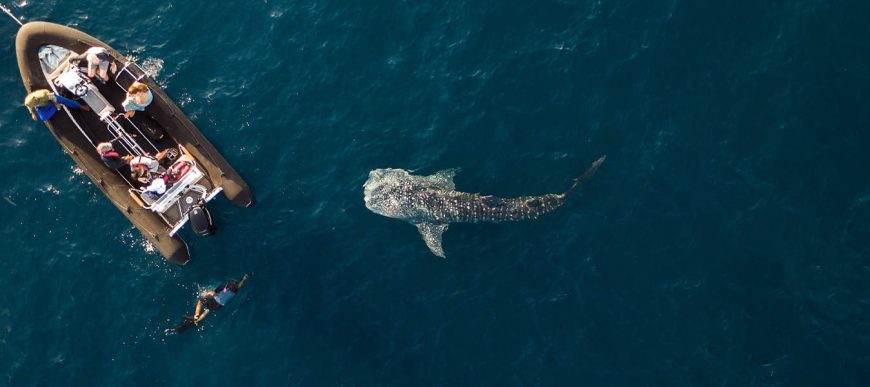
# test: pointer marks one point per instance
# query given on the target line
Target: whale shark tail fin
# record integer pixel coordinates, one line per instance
(586, 175)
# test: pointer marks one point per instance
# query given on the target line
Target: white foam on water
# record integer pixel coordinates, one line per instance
(277, 12)
(134, 239)
(152, 66)
(49, 188)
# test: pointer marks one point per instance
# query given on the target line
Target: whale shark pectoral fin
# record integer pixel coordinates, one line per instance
(431, 233)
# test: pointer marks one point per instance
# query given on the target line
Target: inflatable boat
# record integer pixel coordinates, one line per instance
(48, 59)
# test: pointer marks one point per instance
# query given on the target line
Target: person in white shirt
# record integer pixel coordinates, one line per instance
(99, 59)
(142, 167)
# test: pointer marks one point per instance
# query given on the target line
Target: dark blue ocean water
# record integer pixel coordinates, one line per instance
(724, 242)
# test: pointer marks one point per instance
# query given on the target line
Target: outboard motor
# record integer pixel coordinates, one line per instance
(200, 220)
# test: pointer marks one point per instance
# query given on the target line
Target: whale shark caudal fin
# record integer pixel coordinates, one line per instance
(592, 168)
(431, 233)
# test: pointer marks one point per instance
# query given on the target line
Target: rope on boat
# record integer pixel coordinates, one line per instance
(9, 12)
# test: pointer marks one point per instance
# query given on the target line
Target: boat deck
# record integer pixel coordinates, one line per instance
(78, 131)
(134, 136)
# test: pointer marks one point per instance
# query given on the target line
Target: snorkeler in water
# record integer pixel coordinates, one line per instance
(210, 300)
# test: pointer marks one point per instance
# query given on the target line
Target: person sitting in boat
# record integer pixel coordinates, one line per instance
(100, 59)
(142, 167)
(44, 104)
(109, 156)
(138, 98)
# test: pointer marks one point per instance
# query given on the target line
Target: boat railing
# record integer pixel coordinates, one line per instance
(72, 79)
(124, 138)
(127, 70)
(136, 127)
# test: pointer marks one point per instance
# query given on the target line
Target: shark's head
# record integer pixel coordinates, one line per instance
(385, 194)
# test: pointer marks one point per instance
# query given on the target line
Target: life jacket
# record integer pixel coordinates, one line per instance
(146, 162)
(144, 177)
(112, 159)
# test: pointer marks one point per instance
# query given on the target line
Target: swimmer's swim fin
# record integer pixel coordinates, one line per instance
(187, 324)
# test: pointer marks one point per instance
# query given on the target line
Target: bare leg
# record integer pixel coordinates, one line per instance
(162, 154)
(202, 316)
(198, 309)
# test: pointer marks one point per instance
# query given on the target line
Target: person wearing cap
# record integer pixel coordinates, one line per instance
(138, 98)
(98, 59)
(109, 156)
(43, 104)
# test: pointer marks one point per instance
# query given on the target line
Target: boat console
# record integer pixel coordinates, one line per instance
(77, 83)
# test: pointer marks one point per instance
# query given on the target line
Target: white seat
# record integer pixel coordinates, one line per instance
(168, 199)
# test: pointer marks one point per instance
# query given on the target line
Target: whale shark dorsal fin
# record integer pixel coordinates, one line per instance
(431, 233)
(444, 179)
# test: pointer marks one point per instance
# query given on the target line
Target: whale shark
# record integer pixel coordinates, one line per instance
(432, 202)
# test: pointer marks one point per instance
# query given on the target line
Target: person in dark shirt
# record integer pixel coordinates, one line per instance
(109, 156)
